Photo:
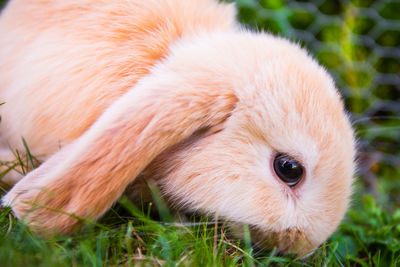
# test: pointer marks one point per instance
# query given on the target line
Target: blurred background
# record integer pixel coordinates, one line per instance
(358, 41)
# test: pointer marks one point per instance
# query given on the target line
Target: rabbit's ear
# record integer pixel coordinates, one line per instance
(87, 176)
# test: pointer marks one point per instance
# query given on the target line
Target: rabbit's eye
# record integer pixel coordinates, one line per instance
(288, 170)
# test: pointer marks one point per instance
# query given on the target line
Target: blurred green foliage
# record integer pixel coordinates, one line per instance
(2, 3)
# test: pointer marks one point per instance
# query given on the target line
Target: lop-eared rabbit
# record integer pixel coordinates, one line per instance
(227, 121)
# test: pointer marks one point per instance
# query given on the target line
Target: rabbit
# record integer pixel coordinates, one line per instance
(242, 124)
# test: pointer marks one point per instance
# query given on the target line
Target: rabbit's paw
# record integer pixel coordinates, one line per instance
(46, 210)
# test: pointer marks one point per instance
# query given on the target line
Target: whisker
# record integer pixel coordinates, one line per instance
(380, 128)
(383, 117)
(185, 224)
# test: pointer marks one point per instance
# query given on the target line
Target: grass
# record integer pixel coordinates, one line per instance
(152, 235)
(369, 236)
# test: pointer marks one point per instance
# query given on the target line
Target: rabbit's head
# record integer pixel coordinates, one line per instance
(243, 125)
(282, 162)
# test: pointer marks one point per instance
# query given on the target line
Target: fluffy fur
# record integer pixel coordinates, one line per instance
(104, 90)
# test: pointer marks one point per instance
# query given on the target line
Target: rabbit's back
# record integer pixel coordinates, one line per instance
(63, 62)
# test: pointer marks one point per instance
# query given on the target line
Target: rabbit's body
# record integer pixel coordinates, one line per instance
(72, 59)
(104, 90)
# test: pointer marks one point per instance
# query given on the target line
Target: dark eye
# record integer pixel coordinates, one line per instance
(288, 170)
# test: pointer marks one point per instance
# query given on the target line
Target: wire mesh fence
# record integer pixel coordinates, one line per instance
(358, 41)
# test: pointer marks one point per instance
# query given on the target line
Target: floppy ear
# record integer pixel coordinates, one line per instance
(87, 176)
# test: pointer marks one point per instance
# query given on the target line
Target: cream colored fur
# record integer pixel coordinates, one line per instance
(104, 90)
